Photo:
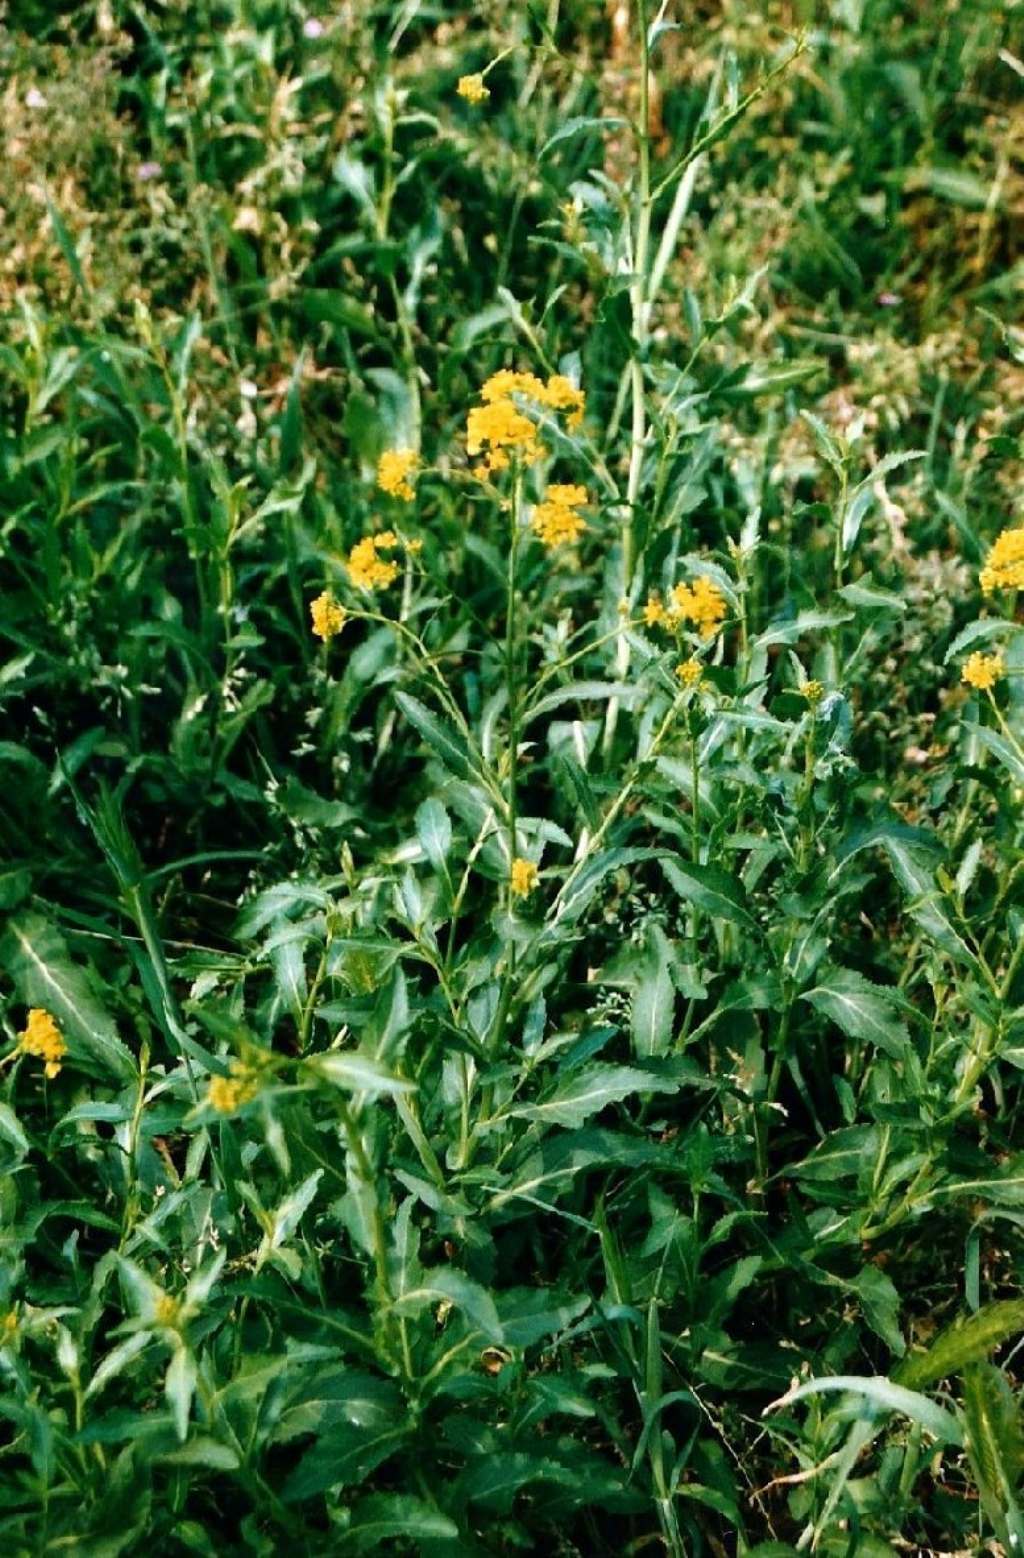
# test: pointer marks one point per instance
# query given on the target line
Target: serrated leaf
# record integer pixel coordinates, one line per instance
(441, 736)
(576, 126)
(992, 1438)
(384, 1516)
(966, 1341)
(359, 1073)
(710, 888)
(861, 1009)
(36, 956)
(592, 1088)
(445, 1285)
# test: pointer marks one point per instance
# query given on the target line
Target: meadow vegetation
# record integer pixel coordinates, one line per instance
(513, 734)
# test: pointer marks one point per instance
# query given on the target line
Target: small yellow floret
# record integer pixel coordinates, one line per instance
(562, 395)
(394, 468)
(813, 692)
(982, 671)
(167, 1311)
(328, 616)
(689, 672)
(654, 611)
(523, 877)
(42, 1038)
(226, 1094)
(701, 603)
(555, 520)
(472, 88)
(1004, 565)
(366, 568)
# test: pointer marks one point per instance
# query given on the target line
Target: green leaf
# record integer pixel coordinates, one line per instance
(179, 1387)
(445, 1285)
(11, 1131)
(358, 1073)
(880, 1301)
(434, 831)
(592, 1088)
(439, 735)
(995, 1449)
(654, 997)
(965, 1341)
(383, 1517)
(36, 956)
(710, 888)
(883, 1393)
(576, 126)
(1002, 749)
(861, 1009)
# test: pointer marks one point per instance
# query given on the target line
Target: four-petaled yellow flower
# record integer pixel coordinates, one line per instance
(472, 88)
(982, 671)
(556, 520)
(42, 1038)
(366, 568)
(328, 616)
(523, 877)
(394, 468)
(813, 692)
(701, 603)
(690, 671)
(226, 1094)
(1004, 565)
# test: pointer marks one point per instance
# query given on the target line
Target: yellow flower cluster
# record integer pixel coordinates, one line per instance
(472, 89)
(42, 1038)
(328, 616)
(813, 692)
(523, 877)
(982, 671)
(701, 603)
(366, 568)
(498, 426)
(226, 1094)
(1004, 566)
(556, 520)
(394, 468)
(690, 671)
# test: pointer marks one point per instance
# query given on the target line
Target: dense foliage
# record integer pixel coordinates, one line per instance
(513, 738)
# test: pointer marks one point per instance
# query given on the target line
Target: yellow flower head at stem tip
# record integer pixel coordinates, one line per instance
(523, 877)
(472, 88)
(701, 603)
(654, 612)
(813, 692)
(328, 616)
(366, 568)
(1004, 565)
(42, 1038)
(555, 519)
(394, 468)
(689, 672)
(226, 1094)
(499, 425)
(982, 671)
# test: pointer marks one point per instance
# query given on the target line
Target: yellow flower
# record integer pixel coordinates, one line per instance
(654, 612)
(167, 1311)
(394, 468)
(1004, 566)
(369, 571)
(555, 519)
(226, 1094)
(472, 89)
(495, 428)
(42, 1038)
(507, 382)
(562, 395)
(8, 1326)
(523, 877)
(701, 603)
(689, 672)
(813, 692)
(328, 616)
(982, 671)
